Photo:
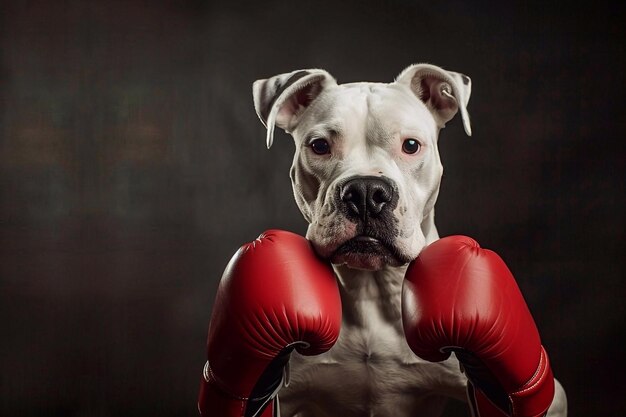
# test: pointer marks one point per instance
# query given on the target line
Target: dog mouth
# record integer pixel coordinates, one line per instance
(367, 252)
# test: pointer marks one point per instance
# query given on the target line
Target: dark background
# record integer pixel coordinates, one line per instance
(132, 165)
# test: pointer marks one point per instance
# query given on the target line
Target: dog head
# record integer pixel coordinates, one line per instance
(366, 169)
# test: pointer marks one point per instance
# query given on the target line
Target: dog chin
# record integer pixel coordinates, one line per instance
(366, 253)
(363, 261)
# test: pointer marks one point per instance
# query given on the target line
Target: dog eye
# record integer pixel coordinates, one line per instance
(411, 146)
(320, 146)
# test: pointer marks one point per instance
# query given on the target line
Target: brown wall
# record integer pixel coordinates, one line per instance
(132, 165)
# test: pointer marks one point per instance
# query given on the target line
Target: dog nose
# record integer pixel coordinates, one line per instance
(367, 196)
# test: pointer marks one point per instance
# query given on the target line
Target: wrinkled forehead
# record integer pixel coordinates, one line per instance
(364, 109)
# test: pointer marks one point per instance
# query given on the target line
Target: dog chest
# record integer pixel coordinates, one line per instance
(370, 371)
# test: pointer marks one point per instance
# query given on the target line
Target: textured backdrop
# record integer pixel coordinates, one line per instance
(132, 165)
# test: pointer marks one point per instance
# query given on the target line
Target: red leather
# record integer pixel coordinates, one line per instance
(459, 297)
(274, 292)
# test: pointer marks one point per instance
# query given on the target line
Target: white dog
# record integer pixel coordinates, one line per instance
(366, 175)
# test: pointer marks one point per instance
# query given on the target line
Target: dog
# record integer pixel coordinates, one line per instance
(366, 175)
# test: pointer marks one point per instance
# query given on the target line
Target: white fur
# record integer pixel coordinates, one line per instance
(370, 371)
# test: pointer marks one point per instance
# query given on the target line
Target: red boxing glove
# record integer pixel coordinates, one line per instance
(460, 298)
(275, 295)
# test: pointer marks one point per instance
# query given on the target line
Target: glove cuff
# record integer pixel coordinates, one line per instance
(215, 399)
(532, 400)
(535, 397)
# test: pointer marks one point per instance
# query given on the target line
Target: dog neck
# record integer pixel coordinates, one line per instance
(366, 291)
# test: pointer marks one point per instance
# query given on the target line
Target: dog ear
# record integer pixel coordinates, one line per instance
(280, 100)
(443, 92)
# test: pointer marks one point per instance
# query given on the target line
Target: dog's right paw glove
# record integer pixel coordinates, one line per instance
(460, 298)
(276, 295)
